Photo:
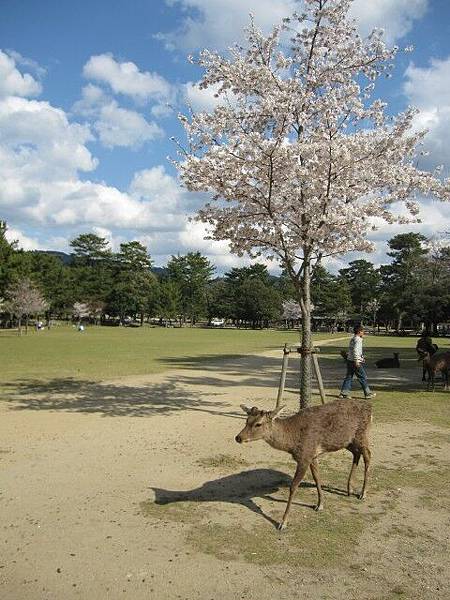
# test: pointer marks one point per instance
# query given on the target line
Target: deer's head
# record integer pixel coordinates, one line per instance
(258, 425)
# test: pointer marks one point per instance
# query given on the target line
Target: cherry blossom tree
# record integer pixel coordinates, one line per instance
(291, 310)
(80, 311)
(25, 299)
(300, 159)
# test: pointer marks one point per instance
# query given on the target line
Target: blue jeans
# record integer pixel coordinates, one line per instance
(361, 376)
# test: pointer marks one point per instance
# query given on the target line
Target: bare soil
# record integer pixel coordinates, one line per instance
(135, 488)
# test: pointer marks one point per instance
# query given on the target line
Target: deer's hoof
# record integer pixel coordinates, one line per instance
(362, 496)
(281, 526)
(318, 507)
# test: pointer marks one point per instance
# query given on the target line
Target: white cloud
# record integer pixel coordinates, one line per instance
(220, 23)
(92, 99)
(434, 216)
(42, 154)
(12, 82)
(167, 205)
(38, 144)
(428, 88)
(193, 238)
(115, 126)
(104, 233)
(125, 78)
(435, 219)
(31, 64)
(23, 241)
(201, 99)
(396, 17)
(121, 127)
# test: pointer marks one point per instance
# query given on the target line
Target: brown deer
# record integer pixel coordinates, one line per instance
(424, 345)
(310, 433)
(433, 364)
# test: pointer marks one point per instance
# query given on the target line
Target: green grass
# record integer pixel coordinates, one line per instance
(222, 461)
(105, 352)
(314, 540)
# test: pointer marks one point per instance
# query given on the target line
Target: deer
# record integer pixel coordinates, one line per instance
(337, 425)
(424, 345)
(388, 363)
(433, 364)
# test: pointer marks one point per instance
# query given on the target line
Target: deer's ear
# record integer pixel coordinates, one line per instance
(246, 409)
(273, 414)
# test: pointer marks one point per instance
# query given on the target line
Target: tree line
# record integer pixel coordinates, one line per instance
(125, 287)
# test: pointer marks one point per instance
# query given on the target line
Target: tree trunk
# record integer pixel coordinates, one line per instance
(306, 367)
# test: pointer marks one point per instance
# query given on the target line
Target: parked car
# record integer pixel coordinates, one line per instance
(217, 322)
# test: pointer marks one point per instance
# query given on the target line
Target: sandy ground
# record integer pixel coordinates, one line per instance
(82, 463)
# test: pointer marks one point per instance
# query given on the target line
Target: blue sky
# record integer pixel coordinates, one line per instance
(85, 127)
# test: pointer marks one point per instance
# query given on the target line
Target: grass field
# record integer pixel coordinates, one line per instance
(105, 352)
(62, 359)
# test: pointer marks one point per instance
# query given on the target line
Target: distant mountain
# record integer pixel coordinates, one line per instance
(159, 271)
(63, 256)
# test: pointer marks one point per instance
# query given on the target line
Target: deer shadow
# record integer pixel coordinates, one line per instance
(239, 488)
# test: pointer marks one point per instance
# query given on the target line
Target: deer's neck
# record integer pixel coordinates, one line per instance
(280, 436)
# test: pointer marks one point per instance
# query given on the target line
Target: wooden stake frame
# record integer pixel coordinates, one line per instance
(286, 352)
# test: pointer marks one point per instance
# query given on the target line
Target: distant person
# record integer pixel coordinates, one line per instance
(425, 344)
(355, 366)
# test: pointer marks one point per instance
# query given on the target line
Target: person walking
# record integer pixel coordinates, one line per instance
(355, 366)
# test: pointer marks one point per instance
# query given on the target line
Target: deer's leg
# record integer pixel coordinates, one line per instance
(299, 474)
(356, 456)
(366, 455)
(314, 466)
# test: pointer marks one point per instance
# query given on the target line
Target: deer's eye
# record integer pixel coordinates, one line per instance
(258, 424)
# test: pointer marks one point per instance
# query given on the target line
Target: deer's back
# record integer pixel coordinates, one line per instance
(332, 426)
(439, 362)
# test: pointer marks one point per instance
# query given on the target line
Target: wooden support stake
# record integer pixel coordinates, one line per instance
(318, 376)
(286, 352)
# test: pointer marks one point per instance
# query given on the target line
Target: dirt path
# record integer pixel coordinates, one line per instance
(160, 502)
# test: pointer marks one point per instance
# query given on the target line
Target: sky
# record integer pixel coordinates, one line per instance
(89, 97)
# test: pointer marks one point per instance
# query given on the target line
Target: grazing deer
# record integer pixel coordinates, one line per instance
(433, 364)
(389, 363)
(310, 433)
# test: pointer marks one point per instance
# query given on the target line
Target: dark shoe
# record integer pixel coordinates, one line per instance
(370, 396)
(341, 395)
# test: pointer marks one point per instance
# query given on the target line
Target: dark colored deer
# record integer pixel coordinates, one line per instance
(310, 433)
(434, 364)
(389, 363)
(425, 345)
